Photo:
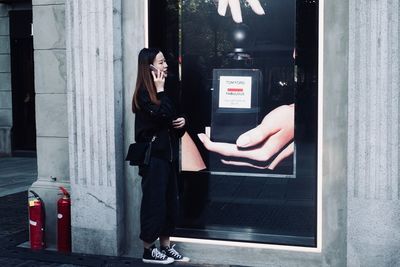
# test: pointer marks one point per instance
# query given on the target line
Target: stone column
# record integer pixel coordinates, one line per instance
(134, 36)
(373, 143)
(51, 107)
(5, 83)
(94, 81)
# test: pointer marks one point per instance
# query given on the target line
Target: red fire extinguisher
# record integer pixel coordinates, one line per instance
(36, 221)
(64, 222)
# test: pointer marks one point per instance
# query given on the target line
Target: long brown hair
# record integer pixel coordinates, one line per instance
(144, 78)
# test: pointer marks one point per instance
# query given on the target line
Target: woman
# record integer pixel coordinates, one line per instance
(157, 119)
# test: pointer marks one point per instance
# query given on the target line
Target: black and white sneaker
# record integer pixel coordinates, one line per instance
(171, 252)
(153, 255)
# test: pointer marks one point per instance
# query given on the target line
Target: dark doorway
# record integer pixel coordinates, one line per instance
(22, 80)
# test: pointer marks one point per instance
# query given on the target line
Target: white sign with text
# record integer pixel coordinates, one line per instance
(235, 92)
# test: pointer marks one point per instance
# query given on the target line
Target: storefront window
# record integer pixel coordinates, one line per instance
(247, 79)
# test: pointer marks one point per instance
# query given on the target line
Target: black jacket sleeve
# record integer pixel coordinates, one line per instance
(163, 113)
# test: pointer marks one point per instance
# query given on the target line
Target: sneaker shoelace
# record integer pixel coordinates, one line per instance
(155, 253)
(173, 252)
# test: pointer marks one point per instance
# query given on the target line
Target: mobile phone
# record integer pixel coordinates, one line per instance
(152, 68)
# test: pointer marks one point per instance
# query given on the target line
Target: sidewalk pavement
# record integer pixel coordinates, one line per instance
(16, 175)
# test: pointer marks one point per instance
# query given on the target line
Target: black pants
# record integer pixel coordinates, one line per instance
(159, 208)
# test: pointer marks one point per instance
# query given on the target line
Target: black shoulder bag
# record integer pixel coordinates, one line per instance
(139, 153)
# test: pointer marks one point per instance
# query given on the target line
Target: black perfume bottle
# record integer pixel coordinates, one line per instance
(235, 103)
(236, 109)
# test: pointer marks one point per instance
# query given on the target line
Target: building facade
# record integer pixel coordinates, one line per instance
(85, 55)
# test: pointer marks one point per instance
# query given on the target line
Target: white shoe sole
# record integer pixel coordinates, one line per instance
(184, 259)
(167, 261)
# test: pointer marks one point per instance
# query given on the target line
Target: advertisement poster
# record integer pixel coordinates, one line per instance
(253, 116)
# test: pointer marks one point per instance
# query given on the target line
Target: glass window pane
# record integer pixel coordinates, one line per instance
(250, 92)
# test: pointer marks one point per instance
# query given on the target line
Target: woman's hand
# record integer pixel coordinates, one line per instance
(178, 123)
(274, 134)
(159, 80)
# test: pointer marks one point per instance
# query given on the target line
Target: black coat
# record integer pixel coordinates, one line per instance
(156, 120)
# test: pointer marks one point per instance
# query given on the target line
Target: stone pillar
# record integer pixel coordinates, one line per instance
(134, 35)
(5, 83)
(94, 80)
(374, 146)
(51, 107)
